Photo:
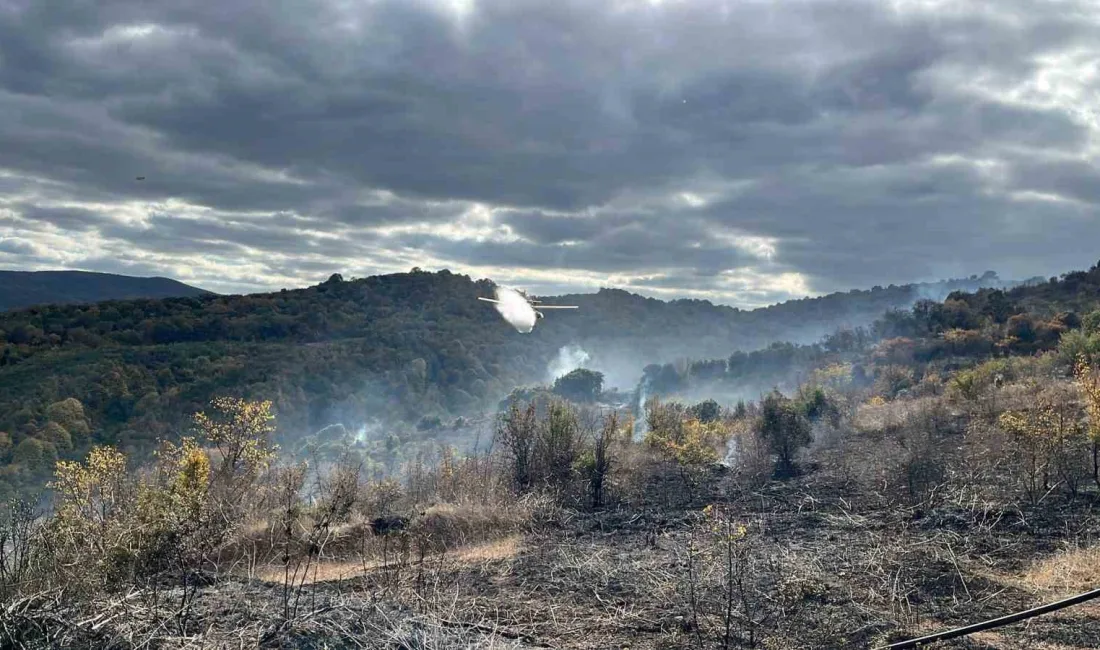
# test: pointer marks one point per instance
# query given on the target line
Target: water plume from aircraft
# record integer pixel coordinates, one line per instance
(518, 309)
(515, 309)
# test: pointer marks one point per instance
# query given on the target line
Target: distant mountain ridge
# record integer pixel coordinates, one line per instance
(19, 289)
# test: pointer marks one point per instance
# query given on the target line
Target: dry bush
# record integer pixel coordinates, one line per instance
(979, 390)
(981, 479)
(1049, 442)
(18, 533)
(517, 433)
(903, 451)
(635, 474)
(748, 455)
(598, 463)
(380, 498)
(1088, 383)
(892, 379)
(739, 589)
(557, 447)
(879, 417)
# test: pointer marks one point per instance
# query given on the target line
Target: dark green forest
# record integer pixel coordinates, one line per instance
(414, 348)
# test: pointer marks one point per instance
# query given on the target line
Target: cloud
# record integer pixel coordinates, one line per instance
(742, 152)
(12, 246)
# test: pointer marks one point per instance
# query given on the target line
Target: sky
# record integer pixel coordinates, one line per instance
(743, 152)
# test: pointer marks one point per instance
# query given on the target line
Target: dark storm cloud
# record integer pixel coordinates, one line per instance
(873, 144)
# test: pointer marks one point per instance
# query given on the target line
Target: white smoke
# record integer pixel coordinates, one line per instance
(640, 424)
(733, 450)
(570, 357)
(515, 309)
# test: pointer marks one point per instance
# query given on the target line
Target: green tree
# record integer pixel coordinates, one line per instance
(785, 428)
(706, 411)
(34, 454)
(580, 385)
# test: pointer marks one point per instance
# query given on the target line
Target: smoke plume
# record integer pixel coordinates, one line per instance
(641, 426)
(570, 357)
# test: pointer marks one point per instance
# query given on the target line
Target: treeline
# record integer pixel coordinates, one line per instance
(902, 346)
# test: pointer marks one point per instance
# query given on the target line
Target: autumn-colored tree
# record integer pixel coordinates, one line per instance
(691, 444)
(1049, 443)
(240, 431)
(1088, 382)
(92, 528)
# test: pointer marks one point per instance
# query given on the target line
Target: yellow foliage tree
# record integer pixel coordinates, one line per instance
(92, 491)
(1049, 442)
(1088, 383)
(835, 376)
(180, 482)
(691, 444)
(92, 530)
(240, 430)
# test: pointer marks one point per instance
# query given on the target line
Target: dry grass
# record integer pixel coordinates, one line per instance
(1072, 571)
(448, 525)
(1010, 641)
(335, 570)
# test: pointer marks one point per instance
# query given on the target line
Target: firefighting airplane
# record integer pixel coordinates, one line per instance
(519, 309)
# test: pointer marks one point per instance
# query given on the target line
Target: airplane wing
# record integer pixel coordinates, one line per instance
(558, 307)
(488, 299)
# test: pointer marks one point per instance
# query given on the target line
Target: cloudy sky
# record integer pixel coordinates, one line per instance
(740, 151)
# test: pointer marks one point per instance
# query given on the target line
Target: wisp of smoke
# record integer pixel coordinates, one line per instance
(515, 309)
(641, 427)
(570, 357)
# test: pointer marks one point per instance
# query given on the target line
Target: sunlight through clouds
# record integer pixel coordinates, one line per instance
(728, 150)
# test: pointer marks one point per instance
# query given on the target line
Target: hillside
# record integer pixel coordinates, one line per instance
(404, 348)
(907, 347)
(936, 469)
(20, 289)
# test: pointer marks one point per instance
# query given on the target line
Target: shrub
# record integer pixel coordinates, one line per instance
(1049, 442)
(597, 463)
(1088, 383)
(516, 431)
(784, 426)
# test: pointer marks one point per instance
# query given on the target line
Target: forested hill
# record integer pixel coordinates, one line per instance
(914, 349)
(394, 348)
(411, 312)
(698, 328)
(26, 288)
